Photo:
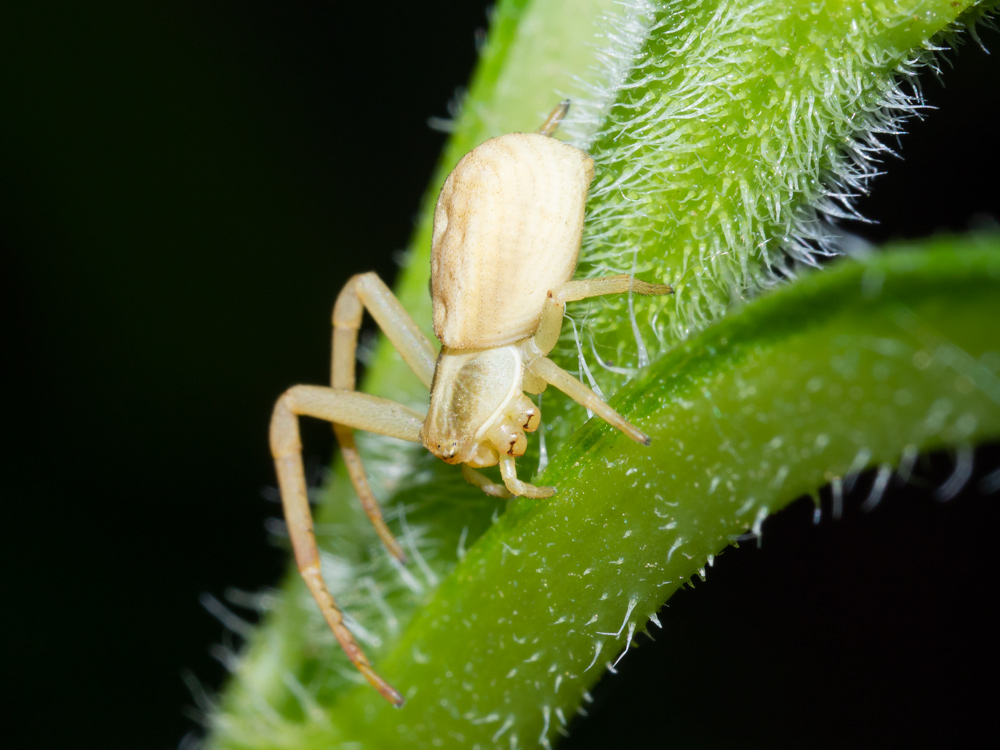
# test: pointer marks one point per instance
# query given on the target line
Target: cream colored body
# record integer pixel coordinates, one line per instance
(507, 231)
(506, 236)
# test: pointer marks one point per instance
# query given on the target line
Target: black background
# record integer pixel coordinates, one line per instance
(185, 187)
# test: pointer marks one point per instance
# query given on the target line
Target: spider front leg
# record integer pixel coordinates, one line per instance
(367, 290)
(352, 410)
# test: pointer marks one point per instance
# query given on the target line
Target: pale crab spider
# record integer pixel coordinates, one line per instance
(507, 232)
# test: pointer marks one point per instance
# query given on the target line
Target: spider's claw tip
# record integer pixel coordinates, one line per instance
(640, 437)
(393, 548)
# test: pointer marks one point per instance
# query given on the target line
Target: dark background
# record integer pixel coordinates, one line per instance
(184, 187)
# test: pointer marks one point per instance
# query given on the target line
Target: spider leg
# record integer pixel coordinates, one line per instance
(483, 482)
(353, 410)
(368, 291)
(553, 374)
(555, 117)
(522, 489)
(571, 291)
(548, 334)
